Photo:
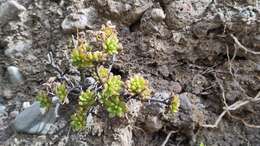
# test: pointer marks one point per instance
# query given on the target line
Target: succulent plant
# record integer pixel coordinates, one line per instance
(108, 91)
(137, 85)
(113, 86)
(175, 104)
(78, 121)
(62, 93)
(44, 100)
(102, 73)
(111, 45)
(115, 107)
(86, 99)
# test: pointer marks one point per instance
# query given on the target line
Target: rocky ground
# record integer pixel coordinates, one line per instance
(206, 51)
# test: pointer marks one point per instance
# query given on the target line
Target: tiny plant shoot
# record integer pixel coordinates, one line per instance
(110, 91)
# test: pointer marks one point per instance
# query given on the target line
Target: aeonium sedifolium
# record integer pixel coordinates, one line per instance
(175, 104)
(109, 91)
(44, 100)
(62, 93)
(137, 85)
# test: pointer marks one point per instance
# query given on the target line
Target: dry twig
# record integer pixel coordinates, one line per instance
(233, 107)
(242, 46)
(168, 137)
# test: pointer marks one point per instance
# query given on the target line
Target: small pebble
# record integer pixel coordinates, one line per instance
(176, 87)
(14, 74)
(158, 15)
(2, 109)
(26, 105)
(2, 100)
(13, 114)
(7, 93)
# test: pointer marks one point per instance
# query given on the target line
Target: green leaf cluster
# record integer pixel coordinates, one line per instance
(137, 85)
(115, 106)
(107, 92)
(111, 45)
(175, 104)
(109, 39)
(82, 59)
(113, 86)
(111, 97)
(44, 100)
(78, 121)
(102, 74)
(62, 93)
(86, 99)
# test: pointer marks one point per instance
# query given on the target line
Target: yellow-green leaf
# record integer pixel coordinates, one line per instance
(175, 104)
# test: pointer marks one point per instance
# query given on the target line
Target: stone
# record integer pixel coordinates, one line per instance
(2, 100)
(26, 105)
(9, 11)
(14, 74)
(17, 48)
(34, 121)
(155, 108)
(89, 83)
(203, 28)
(84, 19)
(126, 12)
(2, 109)
(153, 124)
(185, 103)
(13, 114)
(182, 13)
(258, 67)
(176, 87)
(164, 70)
(134, 107)
(124, 137)
(7, 93)
(157, 15)
(198, 83)
(152, 22)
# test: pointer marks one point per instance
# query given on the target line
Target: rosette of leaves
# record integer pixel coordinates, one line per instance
(95, 57)
(44, 100)
(175, 104)
(115, 107)
(78, 121)
(62, 92)
(78, 56)
(103, 74)
(137, 85)
(111, 45)
(109, 39)
(113, 86)
(82, 57)
(86, 99)
(110, 97)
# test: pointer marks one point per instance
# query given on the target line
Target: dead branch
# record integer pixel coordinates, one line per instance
(242, 46)
(233, 107)
(168, 137)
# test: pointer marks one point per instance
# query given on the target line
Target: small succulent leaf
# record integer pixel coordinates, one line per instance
(62, 92)
(113, 86)
(78, 121)
(138, 85)
(86, 99)
(175, 104)
(82, 57)
(44, 100)
(115, 107)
